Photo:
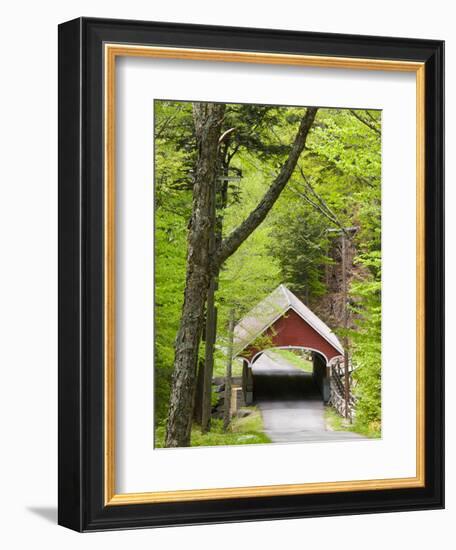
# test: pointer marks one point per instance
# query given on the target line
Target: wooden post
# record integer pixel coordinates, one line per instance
(211, 324)
(211, 321)
(327, 267)
(211, 310)
(345, 314)
(198, 402)
(229, 360)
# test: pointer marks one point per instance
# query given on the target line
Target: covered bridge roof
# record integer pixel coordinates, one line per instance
(269, 310)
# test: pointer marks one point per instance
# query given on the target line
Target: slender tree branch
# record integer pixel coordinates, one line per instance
(319, 208)
(229, 156)
(366, 122)
(374, 120)
(320, 199)
(232, 242)
(162, 127)
(225, 134)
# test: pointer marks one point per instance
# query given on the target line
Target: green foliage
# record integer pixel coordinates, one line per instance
(300, 244)
(220, 364)
(170, 238)
(253, 423)
(366, 348)
(337, 183)
(335, 422)
(243, 431)
(251, 273)
(175, 152)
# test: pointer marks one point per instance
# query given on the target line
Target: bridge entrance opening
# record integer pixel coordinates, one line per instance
(288, 374)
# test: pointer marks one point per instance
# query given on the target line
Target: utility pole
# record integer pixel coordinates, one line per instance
(344, 232)
(228, 373)
(345, 314)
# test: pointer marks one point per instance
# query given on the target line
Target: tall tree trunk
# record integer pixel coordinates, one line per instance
(207, 120)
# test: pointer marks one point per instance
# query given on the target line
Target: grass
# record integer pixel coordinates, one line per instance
(372, 430)
(242, 431)
(295, 359)
(338, 424)
(248, 424)
(335, 422)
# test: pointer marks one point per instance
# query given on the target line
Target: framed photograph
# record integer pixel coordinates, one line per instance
(250, 274)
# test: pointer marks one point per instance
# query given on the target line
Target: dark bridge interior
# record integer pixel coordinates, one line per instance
(284, 387)
(277, 380)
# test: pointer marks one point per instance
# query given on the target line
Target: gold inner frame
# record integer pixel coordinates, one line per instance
(111, 52)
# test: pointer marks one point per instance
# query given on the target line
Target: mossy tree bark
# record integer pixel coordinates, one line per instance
(207, 120)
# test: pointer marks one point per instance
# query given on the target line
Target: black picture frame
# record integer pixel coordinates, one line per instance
(81, 399)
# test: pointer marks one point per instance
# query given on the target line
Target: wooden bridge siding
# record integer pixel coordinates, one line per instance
(320, 376)
(292, 330)
(247, 382)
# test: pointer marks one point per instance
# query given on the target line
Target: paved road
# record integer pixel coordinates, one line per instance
(290, 403)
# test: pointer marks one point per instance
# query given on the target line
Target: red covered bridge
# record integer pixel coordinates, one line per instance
(281, 320)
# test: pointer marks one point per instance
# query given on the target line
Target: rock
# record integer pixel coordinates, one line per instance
(242, 413)
(246, 437)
